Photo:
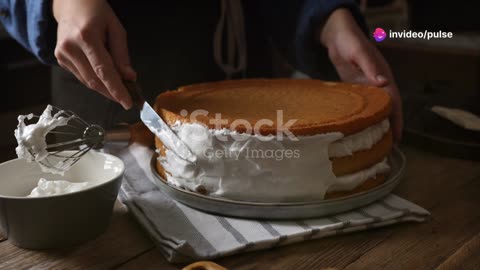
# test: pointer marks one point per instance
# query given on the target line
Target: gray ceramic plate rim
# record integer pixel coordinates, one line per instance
(392, 181)
(71, 193)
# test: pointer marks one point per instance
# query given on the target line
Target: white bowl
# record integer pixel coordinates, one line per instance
(59, 220)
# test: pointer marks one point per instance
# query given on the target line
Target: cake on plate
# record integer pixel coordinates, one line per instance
(277, 140)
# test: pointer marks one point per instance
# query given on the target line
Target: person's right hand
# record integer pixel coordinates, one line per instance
(92, 44)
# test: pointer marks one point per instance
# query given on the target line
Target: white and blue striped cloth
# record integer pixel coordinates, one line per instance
(184, 234)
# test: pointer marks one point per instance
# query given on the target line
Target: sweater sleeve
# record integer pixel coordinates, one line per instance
(291, 26)
(31, 23)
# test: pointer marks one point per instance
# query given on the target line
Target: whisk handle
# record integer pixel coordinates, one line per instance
(135, 93)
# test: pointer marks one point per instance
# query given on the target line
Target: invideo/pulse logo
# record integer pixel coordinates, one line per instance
(379, 34)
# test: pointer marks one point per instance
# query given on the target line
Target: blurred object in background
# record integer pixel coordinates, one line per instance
(375, 3)
(443, 69)
(29, 80)
(27, 89)
(387, 14)
(434, 15)
(443, 72)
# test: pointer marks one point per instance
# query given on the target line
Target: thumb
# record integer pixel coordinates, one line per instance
(117, 43)
(369, 65)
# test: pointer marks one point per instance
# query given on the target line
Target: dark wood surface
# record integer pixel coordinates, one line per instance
(449, 188)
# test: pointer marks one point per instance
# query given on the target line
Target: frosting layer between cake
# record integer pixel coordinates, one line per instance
(251, 168)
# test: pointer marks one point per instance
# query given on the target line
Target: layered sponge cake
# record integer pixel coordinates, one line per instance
(277, 140)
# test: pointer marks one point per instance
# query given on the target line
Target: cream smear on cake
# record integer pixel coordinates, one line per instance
(362, 140)
(238, 175)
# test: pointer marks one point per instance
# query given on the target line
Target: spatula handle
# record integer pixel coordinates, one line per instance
(135, 93)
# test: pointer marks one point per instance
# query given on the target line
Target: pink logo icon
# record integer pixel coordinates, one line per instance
(379, 34)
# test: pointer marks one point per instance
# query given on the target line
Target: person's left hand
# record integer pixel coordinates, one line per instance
(358, 61)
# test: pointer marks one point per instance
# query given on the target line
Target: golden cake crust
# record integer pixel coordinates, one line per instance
(363, 159)
(318, 106)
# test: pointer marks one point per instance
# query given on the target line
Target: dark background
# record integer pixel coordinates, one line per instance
(442, 72)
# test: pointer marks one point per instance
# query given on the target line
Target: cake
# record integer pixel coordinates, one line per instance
(277, 140)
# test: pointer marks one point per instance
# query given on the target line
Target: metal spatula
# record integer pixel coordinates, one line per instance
(157, 126)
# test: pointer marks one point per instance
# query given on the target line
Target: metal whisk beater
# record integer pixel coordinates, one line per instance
(66, 144)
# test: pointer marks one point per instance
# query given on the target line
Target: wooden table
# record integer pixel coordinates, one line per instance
(449, 188)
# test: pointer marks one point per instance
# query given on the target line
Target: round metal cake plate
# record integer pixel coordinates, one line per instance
(294, 210)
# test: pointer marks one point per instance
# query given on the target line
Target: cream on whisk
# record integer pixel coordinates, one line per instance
(31, 139)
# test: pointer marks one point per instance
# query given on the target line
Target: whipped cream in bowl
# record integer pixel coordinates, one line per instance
(56, 187)
(41, 210)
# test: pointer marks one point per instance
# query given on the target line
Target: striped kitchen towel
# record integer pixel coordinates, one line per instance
(184, 234)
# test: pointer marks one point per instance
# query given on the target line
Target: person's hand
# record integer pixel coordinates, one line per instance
(358, 61)
(92, 44)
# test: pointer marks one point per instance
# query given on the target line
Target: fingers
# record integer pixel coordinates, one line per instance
(81, 71)
(83, 35)
(72, 59)
(367, 61)
(89, 77)
(358, 61)
(117, 43)
(347, 70)
(377, 72)
(93, 66)
(105, 70)
(65, 63)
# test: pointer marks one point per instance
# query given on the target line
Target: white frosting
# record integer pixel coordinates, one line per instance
(350, 181)
(253, 168)
(362, 140)
(56, 187)
(31, 138)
